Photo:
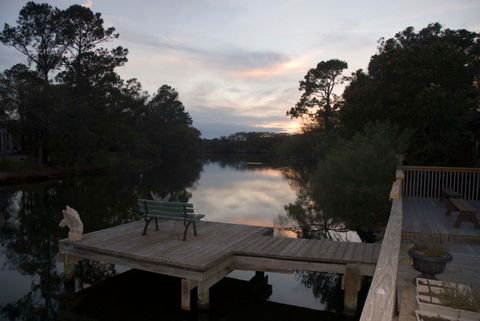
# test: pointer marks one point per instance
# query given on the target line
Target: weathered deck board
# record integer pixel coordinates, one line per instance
(428, 215)
(215, 244)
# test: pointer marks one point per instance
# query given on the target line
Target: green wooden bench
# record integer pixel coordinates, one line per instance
(152, 209)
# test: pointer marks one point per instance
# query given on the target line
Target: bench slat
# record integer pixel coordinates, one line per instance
(164, 203)
(175, 207)
(463, 205)
(190, 217)
(150, 209)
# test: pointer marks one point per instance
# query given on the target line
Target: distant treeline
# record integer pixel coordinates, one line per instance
(246, 142)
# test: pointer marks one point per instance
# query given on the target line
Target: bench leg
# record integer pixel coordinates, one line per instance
(194, 229)
(146, 226)
(450, 208)
(475, 222)
(466, 216)
(185, 232)
(156, 223)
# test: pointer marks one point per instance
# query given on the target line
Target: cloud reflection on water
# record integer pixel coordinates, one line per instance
(245, 197)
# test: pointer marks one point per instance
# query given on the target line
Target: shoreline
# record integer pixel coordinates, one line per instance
(9, 178)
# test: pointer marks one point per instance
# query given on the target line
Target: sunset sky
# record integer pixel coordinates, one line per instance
(236, 64)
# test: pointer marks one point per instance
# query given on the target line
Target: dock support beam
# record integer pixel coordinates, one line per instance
(203, 297)
(187, 287)
(352, 281)
(69, 274)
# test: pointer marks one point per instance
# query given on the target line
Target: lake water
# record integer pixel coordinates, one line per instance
(31, 285)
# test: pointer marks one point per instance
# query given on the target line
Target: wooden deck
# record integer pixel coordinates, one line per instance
(465, 268)
(416, 209)
(216, 244)
(428, 215)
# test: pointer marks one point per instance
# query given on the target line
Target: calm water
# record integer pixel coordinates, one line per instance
(31, 285)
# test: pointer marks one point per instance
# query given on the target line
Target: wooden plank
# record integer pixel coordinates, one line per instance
(319, 248)
(399, 174)
(109, 233)
(358, 253)
(268, 249)
(381, 298)
(252, 263)
(367, 253)
(338, 255)
(306, 251)
(408, 304)
(220, 251)
(291, 249)
(284, 241)
(253, 245)
(134, 262)
(332, 249)
(395, 191)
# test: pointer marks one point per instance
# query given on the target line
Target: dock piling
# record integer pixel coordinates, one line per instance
(203, 298)
(352, 283)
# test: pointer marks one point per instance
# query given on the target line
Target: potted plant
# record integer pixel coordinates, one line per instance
(429, 254)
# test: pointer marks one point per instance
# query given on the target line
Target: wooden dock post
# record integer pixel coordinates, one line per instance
(203, 297)
(187, 287)
(352, 281)
(69, 274)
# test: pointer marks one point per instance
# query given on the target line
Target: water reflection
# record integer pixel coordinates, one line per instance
(254, 196)
(242, 192)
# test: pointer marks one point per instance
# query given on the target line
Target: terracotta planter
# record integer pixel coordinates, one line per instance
(429, 266)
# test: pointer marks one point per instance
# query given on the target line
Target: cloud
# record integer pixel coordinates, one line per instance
(87, 4)
(274, 69)
(208, 52)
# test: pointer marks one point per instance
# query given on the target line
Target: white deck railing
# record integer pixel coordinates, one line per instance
(425, 181)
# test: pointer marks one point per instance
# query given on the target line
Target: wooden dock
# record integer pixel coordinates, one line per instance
(203, 260)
